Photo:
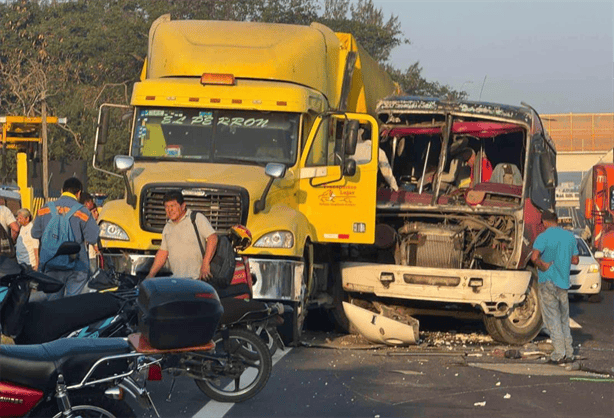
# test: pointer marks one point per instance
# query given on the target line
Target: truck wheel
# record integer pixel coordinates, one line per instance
(521, 325)
(292, 328)
(336, 314)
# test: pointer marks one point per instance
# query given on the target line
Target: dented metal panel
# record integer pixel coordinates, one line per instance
(495, 291)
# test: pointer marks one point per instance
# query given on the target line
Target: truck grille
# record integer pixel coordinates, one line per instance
(224, 207)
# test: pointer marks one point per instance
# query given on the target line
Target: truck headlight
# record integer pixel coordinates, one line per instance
(593, 268)
(110, 230)
(276, 239)
(608, 253)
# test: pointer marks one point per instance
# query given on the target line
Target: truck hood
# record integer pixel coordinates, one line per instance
(250, 177)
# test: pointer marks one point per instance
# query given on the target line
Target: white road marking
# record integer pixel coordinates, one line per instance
(219, 409)
(574, 325)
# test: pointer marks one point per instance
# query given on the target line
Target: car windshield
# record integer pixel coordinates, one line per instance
(216, 135)
(583, 248)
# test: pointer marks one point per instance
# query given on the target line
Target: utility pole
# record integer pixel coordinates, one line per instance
(45, 151)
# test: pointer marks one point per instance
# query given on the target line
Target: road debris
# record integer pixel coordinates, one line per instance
(411, 372)
(507, 396)
(483, 403)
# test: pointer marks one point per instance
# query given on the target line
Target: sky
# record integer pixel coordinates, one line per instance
(555, 56)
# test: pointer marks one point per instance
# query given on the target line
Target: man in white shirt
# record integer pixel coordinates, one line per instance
(26, 246)
(180, 244)
(11, 230)
(363, 155)
(8, 221)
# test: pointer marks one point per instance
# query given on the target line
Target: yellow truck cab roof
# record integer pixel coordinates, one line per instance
(311, 56)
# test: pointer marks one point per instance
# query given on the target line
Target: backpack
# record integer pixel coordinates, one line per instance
(223, 261)
(7, 246)
(57, 232)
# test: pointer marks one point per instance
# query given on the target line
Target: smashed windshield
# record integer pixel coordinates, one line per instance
(216, 135)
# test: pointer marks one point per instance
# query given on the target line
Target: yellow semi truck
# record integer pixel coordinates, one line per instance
(257, 124)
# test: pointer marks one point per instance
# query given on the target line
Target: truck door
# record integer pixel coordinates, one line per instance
(340, 207)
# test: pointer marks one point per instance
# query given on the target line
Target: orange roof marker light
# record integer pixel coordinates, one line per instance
(217, 79)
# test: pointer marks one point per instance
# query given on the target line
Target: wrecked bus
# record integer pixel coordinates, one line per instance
(456, 238)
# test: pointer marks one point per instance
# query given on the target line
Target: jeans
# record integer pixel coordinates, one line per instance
(555, 312)
(74, 283)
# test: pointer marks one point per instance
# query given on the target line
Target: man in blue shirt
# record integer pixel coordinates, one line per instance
(554, 250)
(84, 228)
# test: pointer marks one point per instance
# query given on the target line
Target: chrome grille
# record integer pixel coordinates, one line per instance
(223, 207)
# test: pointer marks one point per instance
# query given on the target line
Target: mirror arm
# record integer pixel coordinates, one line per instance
(260, 204)
(130, 196)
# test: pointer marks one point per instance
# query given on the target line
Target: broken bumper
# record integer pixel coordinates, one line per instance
(495, 291)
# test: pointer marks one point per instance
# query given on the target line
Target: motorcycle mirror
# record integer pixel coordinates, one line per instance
(68, 248)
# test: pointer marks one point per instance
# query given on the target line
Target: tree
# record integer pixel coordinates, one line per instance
(78, 54)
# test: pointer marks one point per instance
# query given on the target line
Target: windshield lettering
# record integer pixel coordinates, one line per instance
(252, 137)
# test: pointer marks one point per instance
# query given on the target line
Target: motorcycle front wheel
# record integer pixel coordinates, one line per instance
(242, 368)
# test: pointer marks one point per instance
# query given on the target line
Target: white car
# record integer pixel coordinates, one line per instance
(584, 277)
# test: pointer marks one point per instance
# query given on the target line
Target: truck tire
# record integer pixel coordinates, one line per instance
(522, 324)
(337, 313)
(292, 328)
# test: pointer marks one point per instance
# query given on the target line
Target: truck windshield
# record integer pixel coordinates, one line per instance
(216, 135)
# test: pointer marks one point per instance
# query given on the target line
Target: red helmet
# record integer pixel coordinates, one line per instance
(241, 237)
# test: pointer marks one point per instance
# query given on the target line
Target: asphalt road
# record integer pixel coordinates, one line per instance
(330, 379)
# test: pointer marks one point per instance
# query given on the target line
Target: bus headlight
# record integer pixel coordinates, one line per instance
(276, 239)
(110, 230)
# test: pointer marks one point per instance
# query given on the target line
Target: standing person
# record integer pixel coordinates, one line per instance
(26, 246)
(180, 244)
(84, 229)
(554, 250)
(363, 156)
(11, 229)
(92, 248)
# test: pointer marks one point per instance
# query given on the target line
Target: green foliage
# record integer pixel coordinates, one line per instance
(412, 83)
(76, 55)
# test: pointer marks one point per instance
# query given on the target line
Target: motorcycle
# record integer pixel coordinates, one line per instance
(234, 341)
(55, 380)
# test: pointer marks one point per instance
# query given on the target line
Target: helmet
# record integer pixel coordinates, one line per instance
(241, 237)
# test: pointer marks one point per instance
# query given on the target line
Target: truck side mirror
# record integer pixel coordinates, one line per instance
(351, 137)
(123, 163)
(588, 208)
(103, 127)
(274, 171)
(349, 168)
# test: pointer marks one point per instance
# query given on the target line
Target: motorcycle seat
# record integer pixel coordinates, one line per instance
(239, 310)
(38, 365)
(49, 320)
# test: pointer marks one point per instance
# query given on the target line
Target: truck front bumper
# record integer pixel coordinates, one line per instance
(495, 291)
(279, 279)
(607, 268)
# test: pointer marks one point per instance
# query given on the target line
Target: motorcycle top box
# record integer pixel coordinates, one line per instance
(178, 313)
